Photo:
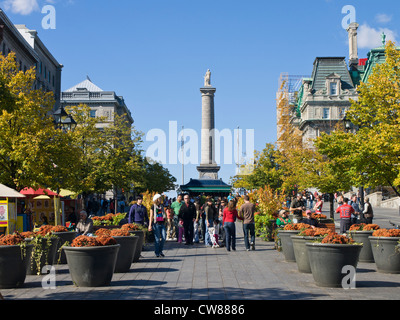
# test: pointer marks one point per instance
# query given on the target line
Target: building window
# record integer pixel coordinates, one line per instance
(93, 113)
(333, 89)
(325, 113)
(342, 113)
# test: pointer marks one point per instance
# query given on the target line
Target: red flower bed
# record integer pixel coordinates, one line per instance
(364, 227)
(103, 232)
(59, 229)
(119, 233)
(106, 240)
(84, 241)
(386, 233)
(316, 232)
(296, 226)
(131, 227)
(337, 239)
(11, 240)
(44, 230)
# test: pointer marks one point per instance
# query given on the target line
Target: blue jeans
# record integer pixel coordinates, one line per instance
(230, 232)
(207, 240)
(160, 235)
(249, 228)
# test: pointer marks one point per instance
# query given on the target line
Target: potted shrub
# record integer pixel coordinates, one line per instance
(139, 231)
(328, 257)
(300, 249)
(91, 260)
(128, 244)
(44, 249)
(64, 236)
(385, 249)
(361, 233)
(284, 236)
(15, 255)
(109, 221)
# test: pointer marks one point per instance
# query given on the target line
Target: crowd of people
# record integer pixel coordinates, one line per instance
(350, 210)
(212, 221)
(196, 220)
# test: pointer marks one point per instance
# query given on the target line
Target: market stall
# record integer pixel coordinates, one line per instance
(8, 209)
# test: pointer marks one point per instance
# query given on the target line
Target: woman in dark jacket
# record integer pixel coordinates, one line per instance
(187, 214)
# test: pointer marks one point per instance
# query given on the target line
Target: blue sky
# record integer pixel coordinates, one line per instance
(155, 53)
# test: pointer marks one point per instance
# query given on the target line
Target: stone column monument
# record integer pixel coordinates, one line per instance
(208, 168)
(353, 47)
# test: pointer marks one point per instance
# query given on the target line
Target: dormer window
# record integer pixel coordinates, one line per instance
(333, 84)
(333, 89)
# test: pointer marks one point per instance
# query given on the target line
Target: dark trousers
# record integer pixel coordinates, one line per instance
(249, 229)
(230, 232)
(189, 230)
(345, 225)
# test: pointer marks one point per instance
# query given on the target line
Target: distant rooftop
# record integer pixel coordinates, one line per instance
(86, 85)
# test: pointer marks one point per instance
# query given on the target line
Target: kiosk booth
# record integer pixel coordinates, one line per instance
(8, 209)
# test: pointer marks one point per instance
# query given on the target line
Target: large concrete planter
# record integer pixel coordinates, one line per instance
(92, 266)
(43, 254)
(363, 237)
(126, 252)
(63, 238)
(301, 253)
(287, 244)
(386, 253)
(14, 262)
(139, 245)
(327, 262)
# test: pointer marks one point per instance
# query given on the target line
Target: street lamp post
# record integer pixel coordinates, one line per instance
(66, 123)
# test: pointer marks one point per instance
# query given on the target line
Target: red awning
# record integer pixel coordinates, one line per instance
(38, 192)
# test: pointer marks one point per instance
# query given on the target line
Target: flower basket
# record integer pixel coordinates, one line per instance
(385, 249)
(64, 237)
(300, 249)
(44, 252)
(285, 235)
(91, 260)
(328, 257)
(128, 245)
(360, 233)
(15, 257)
(138, 231)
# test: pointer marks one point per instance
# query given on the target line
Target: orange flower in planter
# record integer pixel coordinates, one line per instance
(372, 226)
(84, 241)
(11, 240)
(106, 240)
(131, 227)
(296, 226)
(337, 239)
(103, 232)
(59, 229)
(27, 234)
(119, 233)
(386, 233)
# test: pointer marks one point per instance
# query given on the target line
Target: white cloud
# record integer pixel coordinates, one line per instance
(383, 18)
(369, 37)
(23, 7)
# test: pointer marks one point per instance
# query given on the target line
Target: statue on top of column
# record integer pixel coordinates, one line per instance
(207, 79)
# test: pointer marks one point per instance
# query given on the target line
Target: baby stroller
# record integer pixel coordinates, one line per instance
(213, 232)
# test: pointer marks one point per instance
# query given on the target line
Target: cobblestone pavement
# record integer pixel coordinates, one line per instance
(200, 273)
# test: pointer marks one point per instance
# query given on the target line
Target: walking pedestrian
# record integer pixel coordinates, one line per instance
(368, 212)
(345, 211)
(196, 227)
(210, 213)
(297, 206)
(246, 213)
(157, 225)
(187, 214)
(138, 213)
(318, 205)
(176, 206)
(170, 223)
(356, 215)
(229, 219)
